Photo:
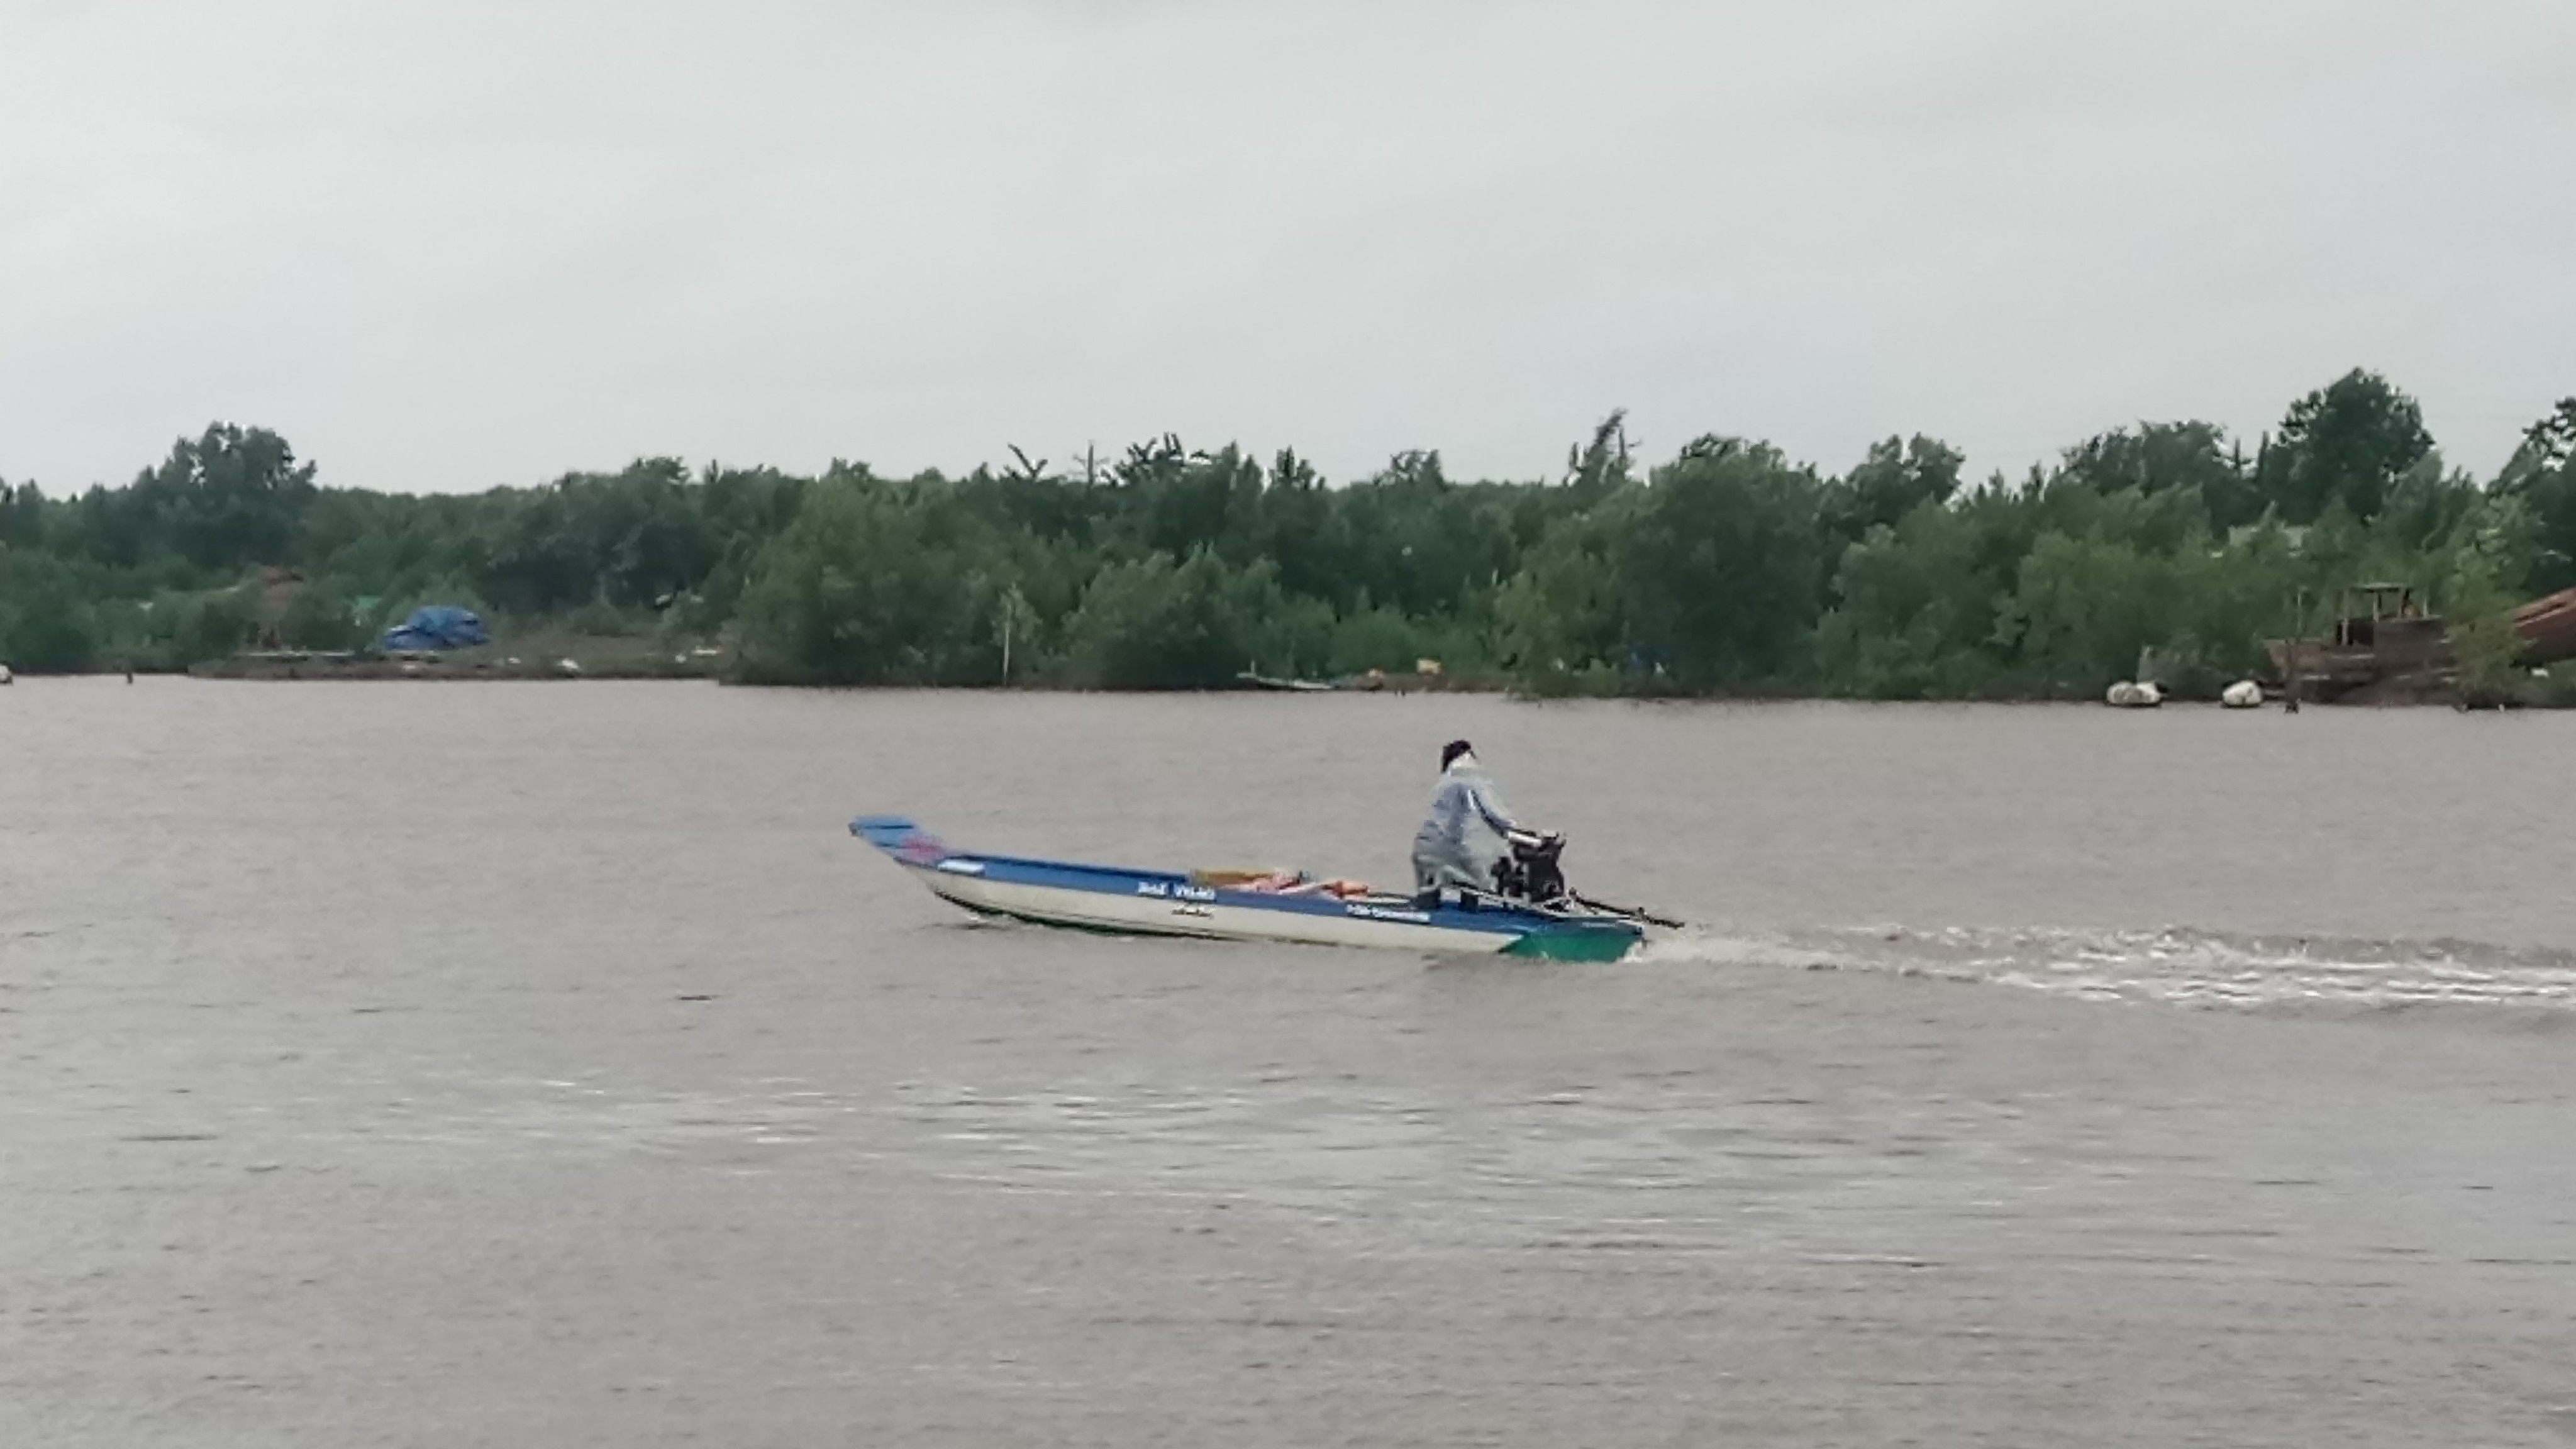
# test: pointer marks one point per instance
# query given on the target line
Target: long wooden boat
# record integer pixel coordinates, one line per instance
(2548, 628)
(1245, 906)
(1284, 686)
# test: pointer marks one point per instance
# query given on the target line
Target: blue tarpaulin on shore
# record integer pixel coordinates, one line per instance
(437, 626)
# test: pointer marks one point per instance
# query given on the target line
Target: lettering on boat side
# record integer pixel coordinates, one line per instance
(1168, 891)
(1381, 913)
(960, 867)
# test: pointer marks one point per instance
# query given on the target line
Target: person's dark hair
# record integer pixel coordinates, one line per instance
(1450, 752)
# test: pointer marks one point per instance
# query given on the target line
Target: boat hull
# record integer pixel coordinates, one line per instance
(1160, 903)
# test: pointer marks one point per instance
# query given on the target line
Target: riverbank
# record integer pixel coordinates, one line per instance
(541, 655)
(565, 655)
(467, 666)
(561, 657)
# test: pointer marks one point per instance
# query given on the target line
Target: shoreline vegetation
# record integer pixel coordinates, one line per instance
(2165, 549)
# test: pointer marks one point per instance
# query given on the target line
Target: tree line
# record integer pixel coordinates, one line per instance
(1728, 568)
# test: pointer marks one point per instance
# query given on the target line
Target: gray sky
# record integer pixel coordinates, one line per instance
(443, 244)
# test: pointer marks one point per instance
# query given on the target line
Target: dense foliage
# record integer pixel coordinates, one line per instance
(1729, 568)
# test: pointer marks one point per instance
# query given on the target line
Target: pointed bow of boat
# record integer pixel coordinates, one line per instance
(899, 837)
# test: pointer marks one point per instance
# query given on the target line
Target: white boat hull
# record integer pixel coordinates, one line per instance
(1121, 901)
(1396, 928)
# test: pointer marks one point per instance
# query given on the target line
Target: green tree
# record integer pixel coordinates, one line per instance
(1722, 564)
(46, 627)
(2542, 472)
(1897, 477)
(1601, 467)
(2154, 457)
(22, 516)
(1561, 614)
(2491, 549)
(1727, 568)
(323, 615)
(1914, 616)
(225, 500)
(2347, 442)
(2083, 611)
(870, 585)
(180, 628)
(1157, 623)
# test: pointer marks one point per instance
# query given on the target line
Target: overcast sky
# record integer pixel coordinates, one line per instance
(442, 244)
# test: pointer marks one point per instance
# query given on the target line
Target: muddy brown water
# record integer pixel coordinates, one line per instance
(544, 1065)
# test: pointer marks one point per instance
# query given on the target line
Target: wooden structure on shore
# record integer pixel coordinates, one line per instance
(2381, 648)
(2384, 649)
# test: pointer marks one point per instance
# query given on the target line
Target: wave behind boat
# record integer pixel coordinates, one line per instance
(2283, 975)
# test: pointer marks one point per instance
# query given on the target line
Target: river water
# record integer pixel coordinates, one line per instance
(545, 1065)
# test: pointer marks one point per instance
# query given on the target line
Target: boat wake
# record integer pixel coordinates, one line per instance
(2181, 967)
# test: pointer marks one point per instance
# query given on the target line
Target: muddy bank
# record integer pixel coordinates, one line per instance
(285, 666)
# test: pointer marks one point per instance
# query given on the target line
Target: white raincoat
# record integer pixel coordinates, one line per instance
(1461, 841)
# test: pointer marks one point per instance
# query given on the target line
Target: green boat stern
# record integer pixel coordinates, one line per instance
(1577, 944)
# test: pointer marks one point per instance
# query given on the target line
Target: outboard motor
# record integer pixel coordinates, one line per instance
(1530, 871)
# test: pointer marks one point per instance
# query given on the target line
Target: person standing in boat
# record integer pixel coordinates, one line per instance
(1457, 846)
